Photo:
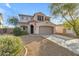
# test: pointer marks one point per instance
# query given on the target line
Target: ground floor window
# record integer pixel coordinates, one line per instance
(24, 28)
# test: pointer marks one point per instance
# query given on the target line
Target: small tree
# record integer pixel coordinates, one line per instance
(17, 31)
(68, 12)
(13, 20)
(68, 26)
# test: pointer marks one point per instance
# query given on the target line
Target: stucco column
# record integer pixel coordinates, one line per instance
(29, 29)
(36, 29)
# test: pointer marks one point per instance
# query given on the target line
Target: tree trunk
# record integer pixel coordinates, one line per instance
(76, 31)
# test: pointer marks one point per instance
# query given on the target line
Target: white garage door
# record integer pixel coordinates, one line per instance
(45, 30)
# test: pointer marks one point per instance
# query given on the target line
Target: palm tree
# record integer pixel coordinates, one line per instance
(13, 21)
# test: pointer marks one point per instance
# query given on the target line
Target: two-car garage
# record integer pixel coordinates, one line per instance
(46, 30)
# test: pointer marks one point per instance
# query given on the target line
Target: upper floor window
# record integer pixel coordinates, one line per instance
(24, 28)
(47, 19)
(24, 17)
(40, 18)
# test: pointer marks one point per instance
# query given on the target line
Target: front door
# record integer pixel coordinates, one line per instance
(31, 29)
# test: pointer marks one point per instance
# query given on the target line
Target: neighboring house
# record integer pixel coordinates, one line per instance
(59, 29)
(2, 27)
(39, 23)
(70, 32)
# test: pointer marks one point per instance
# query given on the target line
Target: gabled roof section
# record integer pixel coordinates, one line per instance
(59, 24)
(40, 13)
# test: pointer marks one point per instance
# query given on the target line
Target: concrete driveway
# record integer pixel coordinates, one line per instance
(40, 46)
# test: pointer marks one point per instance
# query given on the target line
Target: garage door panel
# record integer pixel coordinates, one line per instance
(45, 30)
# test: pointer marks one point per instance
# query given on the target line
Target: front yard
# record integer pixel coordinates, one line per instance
(11, 46)
(40, 46)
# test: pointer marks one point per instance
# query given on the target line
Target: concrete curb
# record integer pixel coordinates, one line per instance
(25, 51)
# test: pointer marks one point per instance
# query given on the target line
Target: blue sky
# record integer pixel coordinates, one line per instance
(24, 8)
(13, 9)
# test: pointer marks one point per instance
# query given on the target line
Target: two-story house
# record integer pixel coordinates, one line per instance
(39, 23)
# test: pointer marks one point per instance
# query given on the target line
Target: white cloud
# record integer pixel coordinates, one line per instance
(3, 11)
(8, 5)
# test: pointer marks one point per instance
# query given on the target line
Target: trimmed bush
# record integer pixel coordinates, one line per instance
(17, 31)
(24, 33)
(10, 45)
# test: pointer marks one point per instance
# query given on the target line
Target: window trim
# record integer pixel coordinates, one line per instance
(40, 18)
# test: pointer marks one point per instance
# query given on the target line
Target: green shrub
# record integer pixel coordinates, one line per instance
(17, 31)
(24, 32)
(10, 45)
(4, 30)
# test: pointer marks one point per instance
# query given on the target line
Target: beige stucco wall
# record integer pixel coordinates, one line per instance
(35, 23)
(38, 25)
(37, 29)
(35, 16)
(59, 29)
(70, 32)
(46, 23)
